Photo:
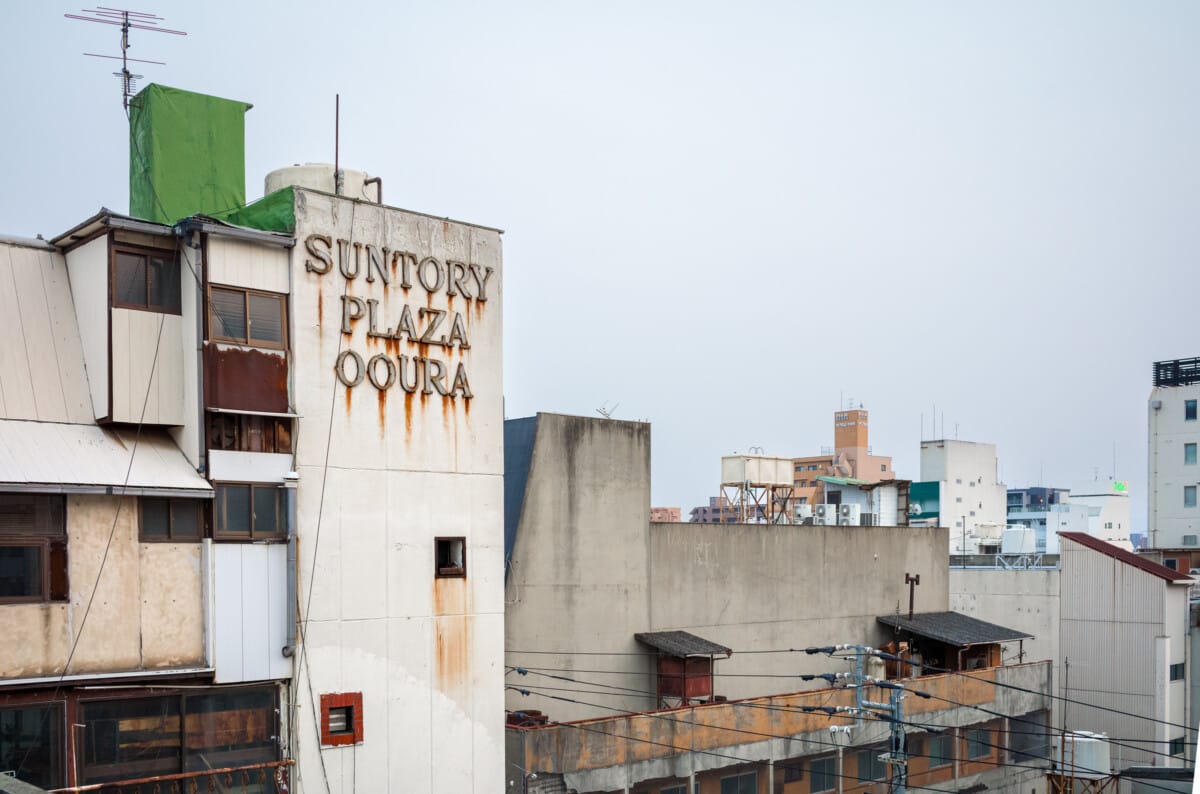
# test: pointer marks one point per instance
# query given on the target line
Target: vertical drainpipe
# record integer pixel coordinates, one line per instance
(290, 481)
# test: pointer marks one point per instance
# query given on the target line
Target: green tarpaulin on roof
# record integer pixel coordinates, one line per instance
(274, 212)
(187, 154)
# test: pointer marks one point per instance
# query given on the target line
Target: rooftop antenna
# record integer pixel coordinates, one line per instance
(607, 412)
(126, 20)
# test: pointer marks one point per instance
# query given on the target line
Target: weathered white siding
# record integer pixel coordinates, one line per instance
(399, 469)
(88, 268)
(244, 264)
(135, 340)
(249, 612)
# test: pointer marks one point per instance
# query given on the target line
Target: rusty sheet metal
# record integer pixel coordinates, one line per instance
(245, 379)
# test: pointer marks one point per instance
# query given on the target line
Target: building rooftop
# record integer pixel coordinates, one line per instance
(1180, 372)
(953, 628)
(1127, 557)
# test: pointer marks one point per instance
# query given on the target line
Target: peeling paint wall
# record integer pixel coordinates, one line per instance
(147, 611)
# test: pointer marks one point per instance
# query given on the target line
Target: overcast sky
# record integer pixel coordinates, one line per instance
(726, 218)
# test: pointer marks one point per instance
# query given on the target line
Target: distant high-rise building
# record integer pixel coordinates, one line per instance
(719, 510)
(1174, 430)
(665, 515)
(850, 456)
(959, 489)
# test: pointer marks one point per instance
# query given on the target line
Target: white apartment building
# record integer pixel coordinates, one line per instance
(1107, 503)
(1174, 436)
(969, 491)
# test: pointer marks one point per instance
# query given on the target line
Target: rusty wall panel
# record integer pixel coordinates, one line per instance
(245, 379)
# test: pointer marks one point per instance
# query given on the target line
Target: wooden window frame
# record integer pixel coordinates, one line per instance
(249, 340)
(58, 750)
(242, 431)
(170, 538)
(449, 571)
(219, 507)
(342, 700)
(168, 254)
(49, 536)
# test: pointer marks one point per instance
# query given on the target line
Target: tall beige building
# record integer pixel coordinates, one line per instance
(851, 456)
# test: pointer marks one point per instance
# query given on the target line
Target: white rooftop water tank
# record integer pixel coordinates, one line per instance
(321, 176)
(1018, 541)
(1082, 754)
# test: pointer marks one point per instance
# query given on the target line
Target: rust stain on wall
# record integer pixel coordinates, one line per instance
(320, 307)
(452, 637)
(245, 379)
(349, 399)
(408, 408)
(381, 399)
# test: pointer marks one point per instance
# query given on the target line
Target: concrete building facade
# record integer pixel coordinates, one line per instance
(960, 489)
(851, 456)
(1174, 463)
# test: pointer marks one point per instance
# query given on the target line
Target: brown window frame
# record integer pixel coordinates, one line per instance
(449, 571)
(56, 752)
(219, 423)
(248, 340)
(49, 535)
(353, 702)
(219, 533)
(170, 255)
(172, 501)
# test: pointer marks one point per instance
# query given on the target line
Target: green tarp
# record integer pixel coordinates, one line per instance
(274, 212)
(187, 154)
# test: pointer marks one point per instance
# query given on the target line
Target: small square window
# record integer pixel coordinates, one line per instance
(248, 512)
(176, 520)
(1177, 672)
(1189, 454)
(451, 557)
(1189, 496)
(341, 719)
(145, 279)
(1189, 540)
(1189, 410)
(1177, 746)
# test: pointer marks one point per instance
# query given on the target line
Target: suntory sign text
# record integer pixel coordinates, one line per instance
(423, 327)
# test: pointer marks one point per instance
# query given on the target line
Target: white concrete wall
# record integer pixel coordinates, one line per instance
(88, 268)
(967, 471)
(1169, 520)
(1108, 517)
(399, 469)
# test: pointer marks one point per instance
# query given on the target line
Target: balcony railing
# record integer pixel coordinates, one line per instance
(268, 778)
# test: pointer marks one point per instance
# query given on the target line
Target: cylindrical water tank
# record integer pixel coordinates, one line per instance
(1082, 754)
(321, 176)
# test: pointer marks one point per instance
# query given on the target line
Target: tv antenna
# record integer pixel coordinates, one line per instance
(607, 412)
(126, 20)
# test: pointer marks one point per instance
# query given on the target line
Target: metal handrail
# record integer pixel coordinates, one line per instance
(118, 784)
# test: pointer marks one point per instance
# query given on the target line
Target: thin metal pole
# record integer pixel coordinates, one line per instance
(337, 134)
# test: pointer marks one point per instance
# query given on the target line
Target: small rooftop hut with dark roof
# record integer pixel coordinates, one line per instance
(953, 641)
(685, 666)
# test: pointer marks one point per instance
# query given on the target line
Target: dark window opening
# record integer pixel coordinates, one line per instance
(33, 548)
(32, 740)
(451, 557)
(171, 519)
(823, 774)
(1189, 410)
(1177, 672)
(247, 317)
(979, 743)
(148, 736)
(745, 783)
(248, 512)
(1176, 746)
(940, 750)
(145, 279)
(249, 433)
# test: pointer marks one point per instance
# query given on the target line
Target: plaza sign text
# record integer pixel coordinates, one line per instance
(424, 327)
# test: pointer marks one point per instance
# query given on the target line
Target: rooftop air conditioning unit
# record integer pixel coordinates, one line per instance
(849, 515)
(869, 520)
(802, 512)
(825, 515)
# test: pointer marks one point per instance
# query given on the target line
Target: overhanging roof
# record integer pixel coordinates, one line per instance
(681, 643)
(841, 480)
(953, 628)
(1127, 557)
(58, 457)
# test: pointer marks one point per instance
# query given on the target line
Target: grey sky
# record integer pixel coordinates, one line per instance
(724, 216)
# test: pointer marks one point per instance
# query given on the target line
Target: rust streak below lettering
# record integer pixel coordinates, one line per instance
(320, 307)
(381, 398)
(349, 399)
(408, 408)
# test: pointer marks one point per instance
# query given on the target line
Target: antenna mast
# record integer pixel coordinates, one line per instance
(127, 20)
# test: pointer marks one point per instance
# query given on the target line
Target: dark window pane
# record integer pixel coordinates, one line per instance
(266, 318)
(32, 514)
(20, 571)
(230, 729)
(130, 739)
(266, 510)
(31, 737)
(163, 284)
(228, 314)
(185, 519)
(59, 583)
(129, 282)
(254, 434)
(235, 509)
(156, 519)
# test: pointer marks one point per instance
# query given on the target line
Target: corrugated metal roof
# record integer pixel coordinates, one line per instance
(953, 628)
(90, 458)
(1127, 557)
(841, 480)
(681, 643)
